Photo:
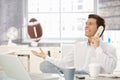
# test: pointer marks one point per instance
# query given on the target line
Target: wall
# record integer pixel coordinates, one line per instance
(11, 14)
(110, 10)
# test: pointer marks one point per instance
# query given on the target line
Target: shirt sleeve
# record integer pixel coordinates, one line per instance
(107, 58)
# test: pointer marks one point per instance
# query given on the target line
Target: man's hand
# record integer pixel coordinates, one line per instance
(96, 41)
(41, 54)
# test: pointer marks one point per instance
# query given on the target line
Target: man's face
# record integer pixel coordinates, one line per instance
(91, 27)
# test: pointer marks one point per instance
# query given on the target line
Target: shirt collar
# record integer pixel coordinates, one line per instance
(88, 43)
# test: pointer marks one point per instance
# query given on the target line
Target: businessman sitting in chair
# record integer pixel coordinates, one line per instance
(92, 50)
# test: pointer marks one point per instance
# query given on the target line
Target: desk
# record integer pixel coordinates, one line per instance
(47, 76)
(105, 78)
(98, 78)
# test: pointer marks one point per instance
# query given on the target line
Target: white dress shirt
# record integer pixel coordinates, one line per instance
(83, 54)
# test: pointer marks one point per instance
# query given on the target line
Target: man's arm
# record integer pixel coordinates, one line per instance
(106, 58)
(65, 61)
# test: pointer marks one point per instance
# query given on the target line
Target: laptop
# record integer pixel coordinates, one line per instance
(15, 69)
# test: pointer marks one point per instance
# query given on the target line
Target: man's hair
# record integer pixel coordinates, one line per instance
(99, 20)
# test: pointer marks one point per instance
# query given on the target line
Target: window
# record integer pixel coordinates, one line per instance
(61, 20)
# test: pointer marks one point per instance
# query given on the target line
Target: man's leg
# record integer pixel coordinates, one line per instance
(47, 67)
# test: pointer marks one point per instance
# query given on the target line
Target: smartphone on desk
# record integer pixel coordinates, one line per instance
(82, 77)
(99, 31)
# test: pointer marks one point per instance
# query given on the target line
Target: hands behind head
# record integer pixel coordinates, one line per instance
(39, 54)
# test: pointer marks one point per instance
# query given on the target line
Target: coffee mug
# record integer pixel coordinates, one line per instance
(69, 73)
(94, 69)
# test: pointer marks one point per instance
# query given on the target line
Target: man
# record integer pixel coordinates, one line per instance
(86, 52)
